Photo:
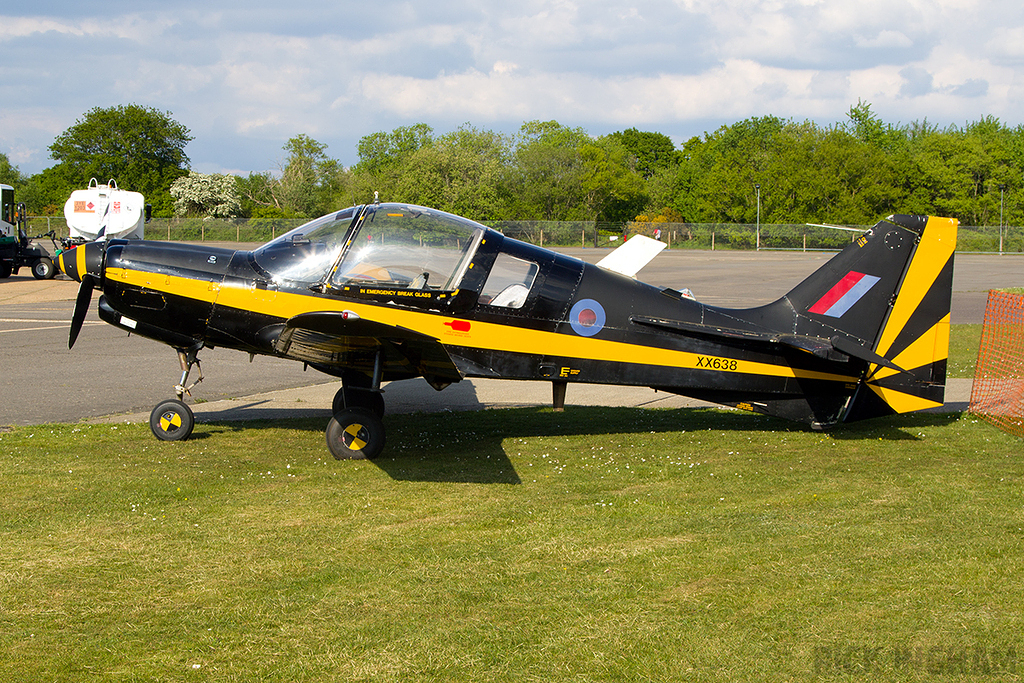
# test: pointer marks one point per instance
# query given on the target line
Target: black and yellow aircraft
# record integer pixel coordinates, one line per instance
(386, 292)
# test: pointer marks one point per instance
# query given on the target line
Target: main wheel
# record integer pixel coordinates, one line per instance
(43, 269)
(358, 397)
(172, 420)
(355, 434)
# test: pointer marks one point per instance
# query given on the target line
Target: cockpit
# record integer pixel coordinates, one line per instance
(396, 246)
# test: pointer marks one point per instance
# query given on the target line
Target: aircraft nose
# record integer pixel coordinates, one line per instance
(85, 259)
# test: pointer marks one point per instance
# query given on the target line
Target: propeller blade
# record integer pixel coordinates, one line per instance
(81, 307)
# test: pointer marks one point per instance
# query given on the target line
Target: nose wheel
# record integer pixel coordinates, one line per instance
(172, 420)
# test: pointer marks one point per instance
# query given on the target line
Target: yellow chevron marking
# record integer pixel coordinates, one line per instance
(902, 402)
(933, 252)
(931, 346)
(482, 335)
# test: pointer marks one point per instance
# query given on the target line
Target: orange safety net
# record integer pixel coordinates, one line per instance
(998, 392)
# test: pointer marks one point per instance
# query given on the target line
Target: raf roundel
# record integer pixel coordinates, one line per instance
(587, 317)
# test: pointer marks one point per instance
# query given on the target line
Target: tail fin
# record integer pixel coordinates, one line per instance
(915, 334)
(887, 299)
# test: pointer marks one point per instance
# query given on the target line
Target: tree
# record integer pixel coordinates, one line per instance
(310, 184)
(612, 191)
(650, 152)
(546, 177)
(206, 195)
(259, 196)
(716, 177)
(867, 127)
(309, 179)
(46, 192)
(461, 172)
(9, 174)
(141, 148)
(379, 151)
(383, 158)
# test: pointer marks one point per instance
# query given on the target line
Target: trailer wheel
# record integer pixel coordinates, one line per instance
(43, 269)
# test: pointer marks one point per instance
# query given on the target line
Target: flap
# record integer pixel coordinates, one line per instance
(340, 338)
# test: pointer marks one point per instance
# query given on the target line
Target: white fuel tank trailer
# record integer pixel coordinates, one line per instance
(105, 212)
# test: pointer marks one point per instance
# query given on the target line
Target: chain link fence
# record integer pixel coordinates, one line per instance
(708, 236)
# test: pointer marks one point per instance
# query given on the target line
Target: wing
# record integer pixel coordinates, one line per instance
(342, 340)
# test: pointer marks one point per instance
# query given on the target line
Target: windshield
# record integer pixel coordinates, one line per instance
(397, 245)
(307, 253)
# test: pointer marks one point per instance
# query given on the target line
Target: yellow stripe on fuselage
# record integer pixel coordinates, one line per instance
(191, 288)
(481, 335)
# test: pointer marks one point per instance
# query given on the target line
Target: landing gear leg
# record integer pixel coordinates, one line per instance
(358, 392)
(172, 420)
(558, 396)
(187, 358)
(356, 430)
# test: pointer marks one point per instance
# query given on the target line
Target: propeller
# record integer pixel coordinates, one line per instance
(85, 264)
(81, 307)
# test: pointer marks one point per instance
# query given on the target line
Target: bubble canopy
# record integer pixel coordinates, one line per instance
(388, 245)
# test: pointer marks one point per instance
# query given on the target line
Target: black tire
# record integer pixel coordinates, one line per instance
(5, 270)
(357, 397)
(172, 420)
(355, 434)
(43, 269)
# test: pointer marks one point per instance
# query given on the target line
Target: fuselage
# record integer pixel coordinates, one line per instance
(393, 292)
(575, 325)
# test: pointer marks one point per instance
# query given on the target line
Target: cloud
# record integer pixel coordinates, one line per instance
(1006, 45)
(246, 76)
(916, 82)
(884, 39)
(974, 87)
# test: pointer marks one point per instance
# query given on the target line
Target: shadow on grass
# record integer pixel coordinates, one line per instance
(468, 447)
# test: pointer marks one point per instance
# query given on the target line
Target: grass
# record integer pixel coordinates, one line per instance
(964, 341)
(514, 545)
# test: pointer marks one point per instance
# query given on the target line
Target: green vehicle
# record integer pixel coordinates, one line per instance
(16, 249)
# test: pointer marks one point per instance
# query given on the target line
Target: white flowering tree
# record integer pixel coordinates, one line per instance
(206, 194)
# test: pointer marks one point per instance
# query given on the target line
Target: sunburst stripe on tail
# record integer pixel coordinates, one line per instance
(915, 334)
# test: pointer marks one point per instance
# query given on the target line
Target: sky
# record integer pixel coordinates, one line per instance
(244, 76)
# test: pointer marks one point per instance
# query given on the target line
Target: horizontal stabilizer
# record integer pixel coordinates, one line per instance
(819, 346)
(632, 256)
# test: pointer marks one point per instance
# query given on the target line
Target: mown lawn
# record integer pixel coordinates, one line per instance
(515, 545)
(964, 341)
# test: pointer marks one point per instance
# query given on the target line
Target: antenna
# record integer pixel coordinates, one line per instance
(835, 227)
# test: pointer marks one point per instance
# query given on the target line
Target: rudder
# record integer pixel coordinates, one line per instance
(914, 335)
